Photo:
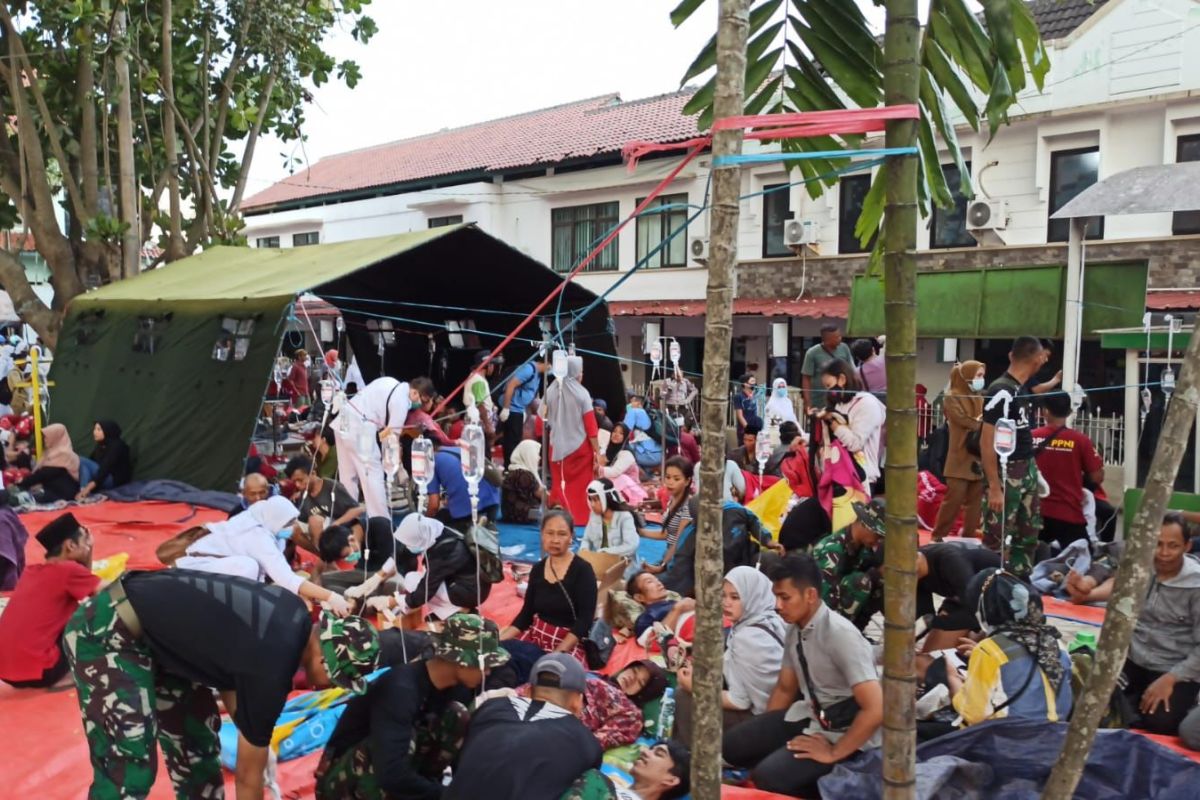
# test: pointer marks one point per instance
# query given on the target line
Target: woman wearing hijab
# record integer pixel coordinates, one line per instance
(58, 472)
(621, 467)
(1019, 670)
(753, 652)
(611, 527)
(114, 464)
(963, 407)
(575, 456)
(521, 492)
(779, 408)
(448, 581)
(248, 545)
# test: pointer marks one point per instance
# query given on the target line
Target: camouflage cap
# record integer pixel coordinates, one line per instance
(350, 647)
(871, 515)
(468, 639)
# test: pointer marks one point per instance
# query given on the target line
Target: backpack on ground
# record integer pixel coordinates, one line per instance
(483, 543)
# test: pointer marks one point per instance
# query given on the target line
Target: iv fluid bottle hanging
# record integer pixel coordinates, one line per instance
(472, 451)
(1167, 381)
(422, 458)
(391, 456)
(326, 392)
(1006, 437)
(763, 449)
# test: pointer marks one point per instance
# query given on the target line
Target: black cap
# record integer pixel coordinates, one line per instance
(58, 531)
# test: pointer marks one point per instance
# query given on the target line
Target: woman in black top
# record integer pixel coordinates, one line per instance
(560, 603)
(112, 457)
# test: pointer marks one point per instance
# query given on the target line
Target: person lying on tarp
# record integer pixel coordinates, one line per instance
(321, 502)
(1020, 669)
(447, 582)
(56, 476)
(398, 738)
(31, 628)
(111, 459)
(148, 651)
(345, 566)
(660, 772)
(1162, 671)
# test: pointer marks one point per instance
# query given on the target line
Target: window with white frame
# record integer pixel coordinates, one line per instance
(665, 216)
(576, 230)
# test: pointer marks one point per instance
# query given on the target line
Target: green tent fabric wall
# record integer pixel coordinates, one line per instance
(189, 416)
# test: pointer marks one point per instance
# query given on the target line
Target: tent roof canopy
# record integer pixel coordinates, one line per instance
(1156, 189)
(240, 273)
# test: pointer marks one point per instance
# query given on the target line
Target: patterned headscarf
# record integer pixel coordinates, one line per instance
(1007, 606)
(350, 647)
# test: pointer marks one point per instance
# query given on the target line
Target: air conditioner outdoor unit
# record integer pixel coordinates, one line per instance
(797, 233)
(698, 248)
(985, 220)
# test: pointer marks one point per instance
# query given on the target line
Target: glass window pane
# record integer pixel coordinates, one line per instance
(949, 227)
(852, 192)
(1072, 171)
(776, 210)
(1185, 222)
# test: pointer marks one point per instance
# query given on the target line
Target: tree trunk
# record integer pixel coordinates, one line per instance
(1133, 578)
(901, 80)
(28, 306)
(89, 165)
(175, 249)
(732, 26)
(126, 179)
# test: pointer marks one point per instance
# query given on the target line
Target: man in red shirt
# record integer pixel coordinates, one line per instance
(31, 628)
(1063, 457)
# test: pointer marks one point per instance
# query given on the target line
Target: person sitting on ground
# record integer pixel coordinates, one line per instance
(660, 772)
(522, 492)
(620, 466)
(46, 596)
(324, 453)
(607, 711)
(447, 479)
(753, 653)
(1020, 669)
(600, 406)
(448, 580)
(677, 480)
(689, 446)
(945, 569)
(642, 681)
(791, 441)
(560, 602)
(57, 474)
(112, 459)
(611, 527)
(746, 456)
(636, 416)
(322, 502)
(1162, 670)
(733, 483)
(255, 489)
(248, 546)
(148, 651)
(646, 589)
(826, 664)
(1095, 584)
(398, 738)
(852, 565)
(1064, 456)
(542, 735)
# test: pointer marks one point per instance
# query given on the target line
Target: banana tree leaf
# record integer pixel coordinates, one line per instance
(872, 209)
(756, 74)
(998, 14)
(702, 99)
(765, 95)
(999, 101)
(939, 191)
(758, 71)
(849, 23)
(685, 9)
(1027, 33)
(707, 59)
(759, 44)
(933, 59)
(811, 81)
(861, 87)
(931, 98)
(856, 59)
(978, 60)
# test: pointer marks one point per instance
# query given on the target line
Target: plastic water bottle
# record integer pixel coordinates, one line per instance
(472, 450)
(666, 714)
(1083, 639)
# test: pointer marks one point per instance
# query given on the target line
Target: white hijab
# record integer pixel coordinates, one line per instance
(567, 402)
(779, 409)
(418, 532)
(528, 456)
(272, 515)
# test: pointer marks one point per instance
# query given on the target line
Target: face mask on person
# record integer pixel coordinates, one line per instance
(413, 405)
(307, 362)
(353, 557)
(284, 534)
(977, 384)
(781, 391)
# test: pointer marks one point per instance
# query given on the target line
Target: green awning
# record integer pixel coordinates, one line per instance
(1135, 339)
(1007, 302)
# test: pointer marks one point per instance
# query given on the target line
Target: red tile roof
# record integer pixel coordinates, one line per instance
(596, 126)
(1182, 300)
(809, 308)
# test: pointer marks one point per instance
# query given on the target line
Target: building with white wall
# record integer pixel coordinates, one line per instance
(1122, 92)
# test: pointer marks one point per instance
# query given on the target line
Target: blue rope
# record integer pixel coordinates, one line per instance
(765, 158)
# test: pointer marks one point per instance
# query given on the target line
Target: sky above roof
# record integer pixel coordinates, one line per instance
(449, 64)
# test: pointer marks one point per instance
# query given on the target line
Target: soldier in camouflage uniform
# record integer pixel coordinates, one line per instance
(850, 565)
(419, 710)
(131, 702)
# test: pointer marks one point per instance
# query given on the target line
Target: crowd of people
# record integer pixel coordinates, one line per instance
(293, 579)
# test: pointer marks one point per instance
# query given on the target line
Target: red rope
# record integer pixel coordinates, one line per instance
(695, 151)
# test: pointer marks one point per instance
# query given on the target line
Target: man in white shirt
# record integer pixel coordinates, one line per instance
(366, 420)
(827, 703)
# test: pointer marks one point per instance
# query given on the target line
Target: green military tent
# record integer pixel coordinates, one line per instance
(181, 356)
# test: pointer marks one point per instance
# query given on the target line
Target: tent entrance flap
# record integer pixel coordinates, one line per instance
(181, 356)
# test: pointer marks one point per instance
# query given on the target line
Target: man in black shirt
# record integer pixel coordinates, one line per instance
(147, 652)
(398, 739)
(530, 749)
(944, 569)
(323, 502)
(1013, 519)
